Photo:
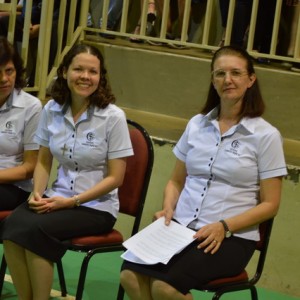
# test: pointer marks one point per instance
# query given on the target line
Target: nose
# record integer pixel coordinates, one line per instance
(3, 76)
(84, 74)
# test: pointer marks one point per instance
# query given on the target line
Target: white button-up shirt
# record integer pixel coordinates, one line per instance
(19, 117)
(224, 171)
(83, 149)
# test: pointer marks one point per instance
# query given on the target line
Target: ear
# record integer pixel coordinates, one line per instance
(252, 78)
(64, 73)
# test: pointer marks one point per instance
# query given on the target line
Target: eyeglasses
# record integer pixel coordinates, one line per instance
(234, 73)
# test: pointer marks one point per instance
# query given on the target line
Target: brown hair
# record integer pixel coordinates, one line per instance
(253, 104)
(9, 53)
(60, 90)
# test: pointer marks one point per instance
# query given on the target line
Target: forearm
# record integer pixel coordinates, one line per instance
(171, 195)
(100, 189)
(18, 173)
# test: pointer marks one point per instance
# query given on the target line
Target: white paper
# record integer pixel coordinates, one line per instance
(157, 243)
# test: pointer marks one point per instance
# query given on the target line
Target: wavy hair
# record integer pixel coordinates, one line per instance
(253, 103)
(9, 53)
(60, 90)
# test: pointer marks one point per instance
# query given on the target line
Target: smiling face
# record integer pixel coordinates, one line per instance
(7, 80)
(231, 79)
(83, 75)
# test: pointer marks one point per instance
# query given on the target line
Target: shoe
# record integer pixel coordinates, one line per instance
(296, 68)
(149, 32)
(137, 31)
(262, 60)
(177, 46)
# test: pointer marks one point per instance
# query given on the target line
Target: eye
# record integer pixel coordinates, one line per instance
(236, 73)
(219, 73)
(9, 71)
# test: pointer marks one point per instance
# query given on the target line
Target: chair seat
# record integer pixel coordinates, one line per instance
(109, 239)
(4, 214)
(214, 284)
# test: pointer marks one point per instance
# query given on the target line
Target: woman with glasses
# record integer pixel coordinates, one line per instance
(226, 181)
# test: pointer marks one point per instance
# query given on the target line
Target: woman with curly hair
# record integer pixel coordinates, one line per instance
(88, 135)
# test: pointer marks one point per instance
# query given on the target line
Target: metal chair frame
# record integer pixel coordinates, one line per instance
(242, 281)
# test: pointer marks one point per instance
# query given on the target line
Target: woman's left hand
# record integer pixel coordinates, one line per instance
(58, 202)
(211, 237)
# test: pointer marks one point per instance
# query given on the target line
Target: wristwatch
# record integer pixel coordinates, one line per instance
(228, 233)
(77, 201)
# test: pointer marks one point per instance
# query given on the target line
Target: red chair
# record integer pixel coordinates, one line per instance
(3, 215)
(242, 281)
(132, 195)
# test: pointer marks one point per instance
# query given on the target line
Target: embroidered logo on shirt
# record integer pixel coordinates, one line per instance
(90, 140)
(234, 148)
(9, 128)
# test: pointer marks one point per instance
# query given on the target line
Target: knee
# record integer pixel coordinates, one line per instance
(127, 279)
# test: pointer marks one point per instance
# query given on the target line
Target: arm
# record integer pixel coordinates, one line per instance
(270, 194)
(40, 178)
(21, 172)
(172, 191)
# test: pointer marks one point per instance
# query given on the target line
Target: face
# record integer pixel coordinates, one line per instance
(7, 80)
(83, 75)
(231, 79)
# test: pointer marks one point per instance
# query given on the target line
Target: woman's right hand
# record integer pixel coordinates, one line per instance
(37, 204)
(167, 213)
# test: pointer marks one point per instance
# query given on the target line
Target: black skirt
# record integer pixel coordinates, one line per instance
(192, 268)
(46, 234)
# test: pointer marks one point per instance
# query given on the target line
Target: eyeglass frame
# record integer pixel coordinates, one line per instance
(239, 73)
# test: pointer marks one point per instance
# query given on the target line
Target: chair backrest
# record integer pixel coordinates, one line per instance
(132, 193)
(265, 229)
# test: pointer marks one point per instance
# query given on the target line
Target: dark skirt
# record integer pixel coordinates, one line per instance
(46, 234)
(192, 268)
(11, 196)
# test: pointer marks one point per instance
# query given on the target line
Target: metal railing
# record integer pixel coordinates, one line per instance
(72, 27)
(211, 27)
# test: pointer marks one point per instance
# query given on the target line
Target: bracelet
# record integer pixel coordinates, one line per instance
(76, 201)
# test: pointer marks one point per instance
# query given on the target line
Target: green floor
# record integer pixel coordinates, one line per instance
(102, 281)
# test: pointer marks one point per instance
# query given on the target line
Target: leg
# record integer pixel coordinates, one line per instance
(17, 265)
(41, 275)
(162, 290)
(136, 286)
(32, 275)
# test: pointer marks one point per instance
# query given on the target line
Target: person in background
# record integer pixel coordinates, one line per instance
(87, 134)
(151, 17)
(241, 21)
(20, 114)
(226, 181)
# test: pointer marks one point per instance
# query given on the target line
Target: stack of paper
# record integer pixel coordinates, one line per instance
(157, 243)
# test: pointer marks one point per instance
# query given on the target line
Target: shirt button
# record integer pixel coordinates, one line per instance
(202, 195)
(70, 156)
(76, 169)
(195, 216)
(197, 209)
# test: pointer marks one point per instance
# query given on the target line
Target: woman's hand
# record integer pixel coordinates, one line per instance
(211, 237)
(38, 204)
(167, 213)
(46, 205)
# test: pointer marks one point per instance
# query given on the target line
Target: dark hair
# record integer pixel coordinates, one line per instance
(9, 53)
(60, 90)
(253, 104)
